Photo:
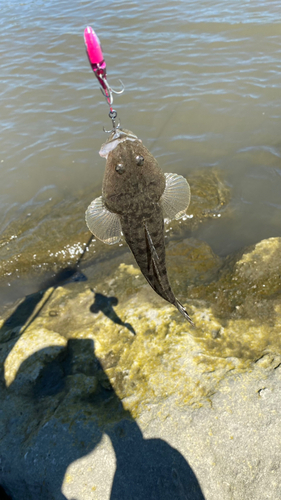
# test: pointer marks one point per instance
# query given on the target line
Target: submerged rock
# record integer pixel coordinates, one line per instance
(103, 377)
(52, 234)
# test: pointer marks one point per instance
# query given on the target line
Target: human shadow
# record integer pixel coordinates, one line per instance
(105, 304)
(28, 310)
(68, 407)
(20, 315)
(3, 494)
(24, 311)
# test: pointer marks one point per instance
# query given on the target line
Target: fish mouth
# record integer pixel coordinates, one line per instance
(115, 138)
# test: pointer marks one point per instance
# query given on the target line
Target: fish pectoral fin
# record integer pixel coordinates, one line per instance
(105, 225)
(176, 197)
(150, 244)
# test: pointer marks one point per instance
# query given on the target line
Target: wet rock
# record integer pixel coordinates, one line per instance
(52, 234)
(116, 394)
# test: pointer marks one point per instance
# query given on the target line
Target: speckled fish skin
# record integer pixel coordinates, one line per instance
(135, 196)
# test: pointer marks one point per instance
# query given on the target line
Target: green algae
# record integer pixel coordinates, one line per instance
(166, 358)
(246, 283)
(139, 350)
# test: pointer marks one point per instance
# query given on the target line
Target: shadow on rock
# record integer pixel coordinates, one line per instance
(26, 308)
(105, 305)
(60, 415)
(21, 314)
(3, 494)
(65, 275)
(149, 468)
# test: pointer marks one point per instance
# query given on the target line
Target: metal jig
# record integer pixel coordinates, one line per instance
(98, 65)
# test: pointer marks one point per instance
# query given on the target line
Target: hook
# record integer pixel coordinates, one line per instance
(98, 65)
(113, 115)
(106, 90)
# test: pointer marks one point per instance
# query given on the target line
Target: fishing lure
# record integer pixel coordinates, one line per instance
(136, 194)
(98, 65)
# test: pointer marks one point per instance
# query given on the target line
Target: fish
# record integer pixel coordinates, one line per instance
(136, 198)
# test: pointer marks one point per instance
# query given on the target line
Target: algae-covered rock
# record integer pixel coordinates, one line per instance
(102, 376)
(52, 233)
(146, 338)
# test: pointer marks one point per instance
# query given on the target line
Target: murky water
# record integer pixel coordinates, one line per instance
(203, 89)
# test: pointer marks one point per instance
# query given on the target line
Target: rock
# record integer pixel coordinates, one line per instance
(107, 392)
(52, 234)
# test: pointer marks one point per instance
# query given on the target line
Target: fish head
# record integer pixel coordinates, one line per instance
(132, 174)
(115, 138)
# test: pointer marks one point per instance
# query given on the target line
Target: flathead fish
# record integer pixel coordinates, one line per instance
(136, 197)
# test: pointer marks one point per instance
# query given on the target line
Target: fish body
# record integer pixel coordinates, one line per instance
(136, 196)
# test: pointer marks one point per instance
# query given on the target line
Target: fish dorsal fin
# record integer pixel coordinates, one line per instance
(176, 197)
(104, 224)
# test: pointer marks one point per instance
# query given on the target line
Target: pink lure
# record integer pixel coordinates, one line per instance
(94, 49)
(96, 59)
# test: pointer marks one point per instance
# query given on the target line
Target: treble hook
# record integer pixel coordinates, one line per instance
(106, 90)
(113, 115)
(98, 65)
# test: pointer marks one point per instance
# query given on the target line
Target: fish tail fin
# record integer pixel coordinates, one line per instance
(182, 310)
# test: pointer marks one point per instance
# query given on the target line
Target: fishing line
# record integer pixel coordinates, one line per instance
(98, 65)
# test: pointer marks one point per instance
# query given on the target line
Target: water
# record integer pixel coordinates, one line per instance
(203, 89)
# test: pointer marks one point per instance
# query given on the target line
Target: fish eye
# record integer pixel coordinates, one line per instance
(120, 168)
(139, 160)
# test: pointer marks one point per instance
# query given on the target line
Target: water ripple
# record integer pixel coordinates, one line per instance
(202, 79)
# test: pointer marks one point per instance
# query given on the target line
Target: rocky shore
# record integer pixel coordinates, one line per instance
(108, 393)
